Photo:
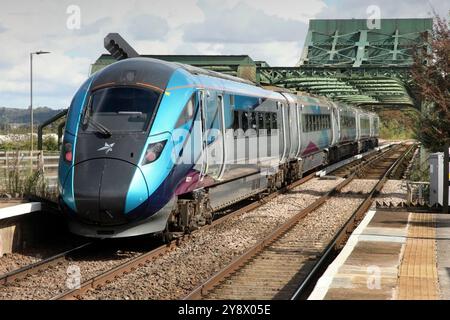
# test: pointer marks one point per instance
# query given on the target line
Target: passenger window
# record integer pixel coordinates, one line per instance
(253, 122)
(261, 124)
(274, 121)
(260, 117)
(245, 119)
(268, 125)
(187, 114)
(231, 100)
(235, 120)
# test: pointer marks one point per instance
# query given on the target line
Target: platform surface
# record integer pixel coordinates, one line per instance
(9, 209)
(392, 255)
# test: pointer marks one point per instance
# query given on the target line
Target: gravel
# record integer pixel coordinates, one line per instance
(58, 279)
(177, 273)
(16, 260)
(394, 191)
(206, 252)
(12, 261)
(359, 186)
(174, 275)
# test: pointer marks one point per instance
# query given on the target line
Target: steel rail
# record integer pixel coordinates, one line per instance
(200, 291)
(39, 266)
(145, 258)
(238, 262)
(346, 229)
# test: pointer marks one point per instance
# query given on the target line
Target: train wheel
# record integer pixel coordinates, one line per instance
(167, 235)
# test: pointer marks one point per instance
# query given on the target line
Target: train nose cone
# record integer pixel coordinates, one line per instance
(101, 187)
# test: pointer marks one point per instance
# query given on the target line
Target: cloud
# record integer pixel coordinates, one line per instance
(96, 26)
(148, 27)
(243, 24)
(347, 9)
(288, 9)
(275, 53)
(268, 30)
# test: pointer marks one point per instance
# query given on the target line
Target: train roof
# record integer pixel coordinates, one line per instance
(200, 71)
(151, 71)
(157, 73)
(136, 70)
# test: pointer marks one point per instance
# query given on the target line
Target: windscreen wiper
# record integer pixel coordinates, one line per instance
(101, 128)
(134, 113)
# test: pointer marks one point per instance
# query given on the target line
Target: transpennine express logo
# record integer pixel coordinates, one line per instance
(107, 148)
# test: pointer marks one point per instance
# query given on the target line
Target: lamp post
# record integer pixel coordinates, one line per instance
(31, 92)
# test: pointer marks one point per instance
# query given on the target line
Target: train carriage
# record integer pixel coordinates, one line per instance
(157, 147)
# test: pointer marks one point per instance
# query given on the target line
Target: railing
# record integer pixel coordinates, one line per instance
(417, 192)
(49, 122)
(17, 166)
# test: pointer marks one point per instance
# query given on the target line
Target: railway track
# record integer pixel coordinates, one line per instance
(130, 266)
(276, 265)
(15, 277)
(139, 261)
(40, 266)
(102, 278)
(53, 275)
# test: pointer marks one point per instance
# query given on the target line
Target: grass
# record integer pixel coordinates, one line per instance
(48, 143)
(20, 181)
(392, 130)
(398, 124)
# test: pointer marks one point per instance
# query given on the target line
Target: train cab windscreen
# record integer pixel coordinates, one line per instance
(120, 109)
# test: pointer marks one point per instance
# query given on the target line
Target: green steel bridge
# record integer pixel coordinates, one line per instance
(342, 59)
(347, 61)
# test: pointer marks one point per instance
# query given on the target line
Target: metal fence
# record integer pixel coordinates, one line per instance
(17, 165)
(417, 192)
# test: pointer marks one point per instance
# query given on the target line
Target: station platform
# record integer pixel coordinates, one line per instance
(392, 255)
(14, 208)
(17, 225)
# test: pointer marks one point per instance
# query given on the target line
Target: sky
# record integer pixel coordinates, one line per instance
(270, 30)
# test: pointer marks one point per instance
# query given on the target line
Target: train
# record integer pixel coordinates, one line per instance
(157, 147)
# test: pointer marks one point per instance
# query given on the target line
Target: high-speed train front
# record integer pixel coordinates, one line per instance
(117, 176)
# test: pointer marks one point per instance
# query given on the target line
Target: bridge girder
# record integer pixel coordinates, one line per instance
(347, 61)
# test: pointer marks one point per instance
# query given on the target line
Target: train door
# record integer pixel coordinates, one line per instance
(213, 146)
(283, 132)
(358, 131)
(335, 124)
(223, 135)
(298, 111)
(204, 141)
(291, 127)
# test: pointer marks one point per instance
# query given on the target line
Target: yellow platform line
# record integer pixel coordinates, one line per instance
(418, 277)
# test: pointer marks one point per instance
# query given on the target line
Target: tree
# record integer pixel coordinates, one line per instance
(430, 74)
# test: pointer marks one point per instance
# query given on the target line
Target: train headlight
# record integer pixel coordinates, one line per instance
(153, 152)
(68, 152)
